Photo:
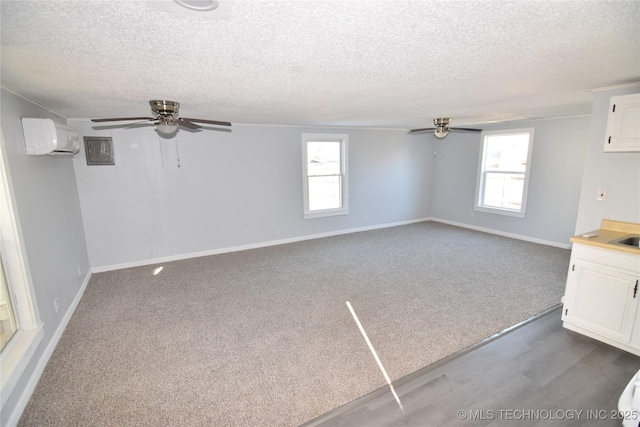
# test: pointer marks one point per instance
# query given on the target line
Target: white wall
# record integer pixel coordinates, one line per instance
(235, 189)
(618, 173)
(244, 188)
(47, 210)
(554, 185)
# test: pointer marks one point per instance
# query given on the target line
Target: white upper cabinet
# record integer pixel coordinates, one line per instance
(623, 126)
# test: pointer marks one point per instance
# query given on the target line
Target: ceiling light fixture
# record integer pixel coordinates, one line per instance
(441, 132)
(199, 5)
(442, 127)
(167, 125)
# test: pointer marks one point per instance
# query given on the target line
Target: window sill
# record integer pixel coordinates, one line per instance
(328, 212)
(499, 211)
(15, 357)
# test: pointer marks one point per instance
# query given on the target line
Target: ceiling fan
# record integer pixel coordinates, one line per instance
(166, 118)
(442, 128)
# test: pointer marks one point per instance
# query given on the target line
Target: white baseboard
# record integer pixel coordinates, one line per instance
(46, 355)
(249, 246)
(503, 233)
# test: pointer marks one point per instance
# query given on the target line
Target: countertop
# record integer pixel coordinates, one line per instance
(610, 230)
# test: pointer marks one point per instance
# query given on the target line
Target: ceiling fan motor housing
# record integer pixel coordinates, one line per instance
(164, 108)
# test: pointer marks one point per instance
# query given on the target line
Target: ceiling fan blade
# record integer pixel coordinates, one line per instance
(140, 124)
(413, 131)
(186, 123)
(121, 119)
(464, 130)
(211, 122)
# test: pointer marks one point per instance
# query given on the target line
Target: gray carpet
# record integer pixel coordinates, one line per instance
(263, 337)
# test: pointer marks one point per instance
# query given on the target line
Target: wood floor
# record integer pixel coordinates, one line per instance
(539, 374)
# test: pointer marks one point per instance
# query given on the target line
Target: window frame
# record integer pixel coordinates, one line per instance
(19, 351)
(481, 177)
(343, 139)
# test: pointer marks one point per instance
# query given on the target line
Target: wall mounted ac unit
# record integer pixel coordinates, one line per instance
(44, 136)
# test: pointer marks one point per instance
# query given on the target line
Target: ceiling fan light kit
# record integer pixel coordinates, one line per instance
(441, 127)
(165, 110)
(166, 125)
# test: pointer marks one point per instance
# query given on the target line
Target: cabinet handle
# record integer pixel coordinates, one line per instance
(635, 290)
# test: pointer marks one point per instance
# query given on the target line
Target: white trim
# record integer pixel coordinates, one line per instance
(317, 126)
(622, 86)
(540, 119)
(250, 246)
(504, 233)
(15, 357)
(14, 417)
(16, 267)
(326, 212)
(33, 101)
(499, 211)
(18, 353)
(272, 125)
(310, 127)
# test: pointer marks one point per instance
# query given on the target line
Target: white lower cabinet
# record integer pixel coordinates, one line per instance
(602, 296)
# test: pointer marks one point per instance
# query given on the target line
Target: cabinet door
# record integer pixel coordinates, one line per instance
(623, 125)
(601, 299)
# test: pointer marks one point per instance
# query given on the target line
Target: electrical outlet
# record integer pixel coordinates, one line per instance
(364, 217)
(602, 194)
(56, 305)
(245, 233)
(79, 272)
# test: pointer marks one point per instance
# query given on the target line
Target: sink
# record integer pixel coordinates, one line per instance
(632, 240)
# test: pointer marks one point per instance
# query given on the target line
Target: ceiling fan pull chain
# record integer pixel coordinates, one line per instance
(161, 154)
(177, 152)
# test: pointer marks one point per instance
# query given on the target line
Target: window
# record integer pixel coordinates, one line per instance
(324, 171)
(504, 171)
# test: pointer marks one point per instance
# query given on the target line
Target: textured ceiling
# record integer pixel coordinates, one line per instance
(382, 64)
